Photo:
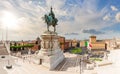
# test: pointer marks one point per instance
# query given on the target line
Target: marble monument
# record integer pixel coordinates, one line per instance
(50, 53)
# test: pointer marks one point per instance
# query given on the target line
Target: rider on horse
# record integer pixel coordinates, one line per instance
(50, 20)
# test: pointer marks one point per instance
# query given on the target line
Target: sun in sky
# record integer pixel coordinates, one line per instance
(9, 20)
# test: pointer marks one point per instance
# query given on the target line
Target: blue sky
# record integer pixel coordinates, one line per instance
(78, 19)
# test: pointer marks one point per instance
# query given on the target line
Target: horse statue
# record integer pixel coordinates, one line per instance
(50, 20)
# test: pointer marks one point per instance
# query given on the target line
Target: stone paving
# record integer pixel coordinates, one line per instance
(26, 66)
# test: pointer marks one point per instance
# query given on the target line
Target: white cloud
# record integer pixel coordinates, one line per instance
(113, 8)
(106, 18)
(57, 4)
(85, 17)
(29, 16)
(117, 17)
(30, 2)
(76, 17)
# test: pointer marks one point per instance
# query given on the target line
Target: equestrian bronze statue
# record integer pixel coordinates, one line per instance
(50, 20)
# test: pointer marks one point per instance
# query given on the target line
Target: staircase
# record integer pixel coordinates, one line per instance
(60, 65)
(3, 49)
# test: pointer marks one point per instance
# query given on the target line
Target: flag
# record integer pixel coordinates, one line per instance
(88, 44)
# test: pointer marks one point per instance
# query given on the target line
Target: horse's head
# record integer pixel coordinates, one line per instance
(45, 18)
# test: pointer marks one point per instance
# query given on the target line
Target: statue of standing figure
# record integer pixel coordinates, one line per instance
(50, 20)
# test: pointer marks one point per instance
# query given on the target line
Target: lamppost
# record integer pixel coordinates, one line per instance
(8, 20)
(9, 66)
(80, 66)
(81, 63)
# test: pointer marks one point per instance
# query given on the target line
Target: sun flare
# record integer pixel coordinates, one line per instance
(9, 20)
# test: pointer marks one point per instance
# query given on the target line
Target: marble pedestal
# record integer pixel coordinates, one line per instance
(50, 54)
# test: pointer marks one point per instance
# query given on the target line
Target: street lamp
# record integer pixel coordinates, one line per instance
(81, 63)
(80, 66)
(9, 20)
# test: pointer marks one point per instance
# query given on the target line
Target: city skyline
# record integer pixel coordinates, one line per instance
(77, 19)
